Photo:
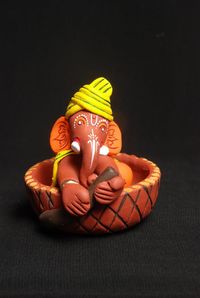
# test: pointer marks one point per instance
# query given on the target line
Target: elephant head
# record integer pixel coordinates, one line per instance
(88, 127)
(89, 135)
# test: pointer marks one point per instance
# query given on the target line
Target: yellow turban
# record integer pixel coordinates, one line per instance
(94, 98)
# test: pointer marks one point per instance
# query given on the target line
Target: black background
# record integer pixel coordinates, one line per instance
(150, 51)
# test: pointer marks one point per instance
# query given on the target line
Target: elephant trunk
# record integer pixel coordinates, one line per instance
(90, 154)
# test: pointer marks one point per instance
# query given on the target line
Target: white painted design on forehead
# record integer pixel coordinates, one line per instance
(102, 120)
(93, 119)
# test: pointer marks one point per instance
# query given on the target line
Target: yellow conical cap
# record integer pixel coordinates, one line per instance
(94, 98)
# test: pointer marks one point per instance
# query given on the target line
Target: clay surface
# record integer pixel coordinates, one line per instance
(131, 207)
(89, 187)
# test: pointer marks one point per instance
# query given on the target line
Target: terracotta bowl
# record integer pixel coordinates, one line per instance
(135, 203)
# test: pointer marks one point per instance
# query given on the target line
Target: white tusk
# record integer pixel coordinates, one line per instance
(104, 150)
(75, 146)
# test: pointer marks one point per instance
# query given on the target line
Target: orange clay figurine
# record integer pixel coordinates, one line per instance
(90, 187)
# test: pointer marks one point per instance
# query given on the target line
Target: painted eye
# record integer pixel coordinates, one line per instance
(80, 121)
(102, 127)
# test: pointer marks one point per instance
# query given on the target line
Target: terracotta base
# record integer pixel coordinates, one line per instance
(134, 204)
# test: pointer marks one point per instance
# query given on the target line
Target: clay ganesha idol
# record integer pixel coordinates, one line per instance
(90, 187)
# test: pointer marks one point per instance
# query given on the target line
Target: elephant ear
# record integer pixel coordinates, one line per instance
(60, 135)
(114, 139)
